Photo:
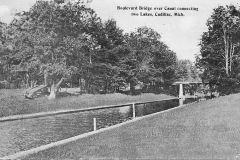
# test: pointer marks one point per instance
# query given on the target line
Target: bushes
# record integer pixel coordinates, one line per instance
(228, 86)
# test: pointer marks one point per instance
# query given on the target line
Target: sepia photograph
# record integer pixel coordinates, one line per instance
(111, 79)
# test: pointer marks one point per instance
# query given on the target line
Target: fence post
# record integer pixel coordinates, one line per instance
(94, 124)
(180, 101)
(181, 96)
(134, 114)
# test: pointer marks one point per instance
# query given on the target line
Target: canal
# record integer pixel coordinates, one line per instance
(21, 135)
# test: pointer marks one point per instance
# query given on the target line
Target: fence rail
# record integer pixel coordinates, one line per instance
(45, 114)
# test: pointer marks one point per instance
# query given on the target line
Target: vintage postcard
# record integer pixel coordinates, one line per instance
(111, 79)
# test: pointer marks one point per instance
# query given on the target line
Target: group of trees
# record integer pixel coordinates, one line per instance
(220, 45)
(57, 42)
(187, 71)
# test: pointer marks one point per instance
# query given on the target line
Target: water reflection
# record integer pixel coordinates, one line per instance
(29, 133)
(124, 109)
(25, 134)
(149, 108)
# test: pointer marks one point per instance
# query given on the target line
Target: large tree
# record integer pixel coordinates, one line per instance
(219, 58)
(105, 55)
(148, 60)
(7, 44)
(54, 39)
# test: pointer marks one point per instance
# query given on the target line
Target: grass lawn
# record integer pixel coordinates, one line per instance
(205, 130)
(12, 102)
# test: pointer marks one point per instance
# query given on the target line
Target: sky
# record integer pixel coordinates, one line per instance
(181, 33)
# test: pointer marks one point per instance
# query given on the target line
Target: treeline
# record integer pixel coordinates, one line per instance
(219, 57)
(59, 43)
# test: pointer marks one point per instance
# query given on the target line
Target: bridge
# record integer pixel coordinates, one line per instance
(181, 89)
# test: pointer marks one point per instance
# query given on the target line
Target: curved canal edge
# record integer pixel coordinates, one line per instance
(45, 114)
(23, 154)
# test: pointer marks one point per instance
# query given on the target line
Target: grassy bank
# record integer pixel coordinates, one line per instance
(12, 102)
(205, 130)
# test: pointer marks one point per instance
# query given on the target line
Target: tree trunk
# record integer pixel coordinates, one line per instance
(226, 52)
(55, 89)
(80, 85)
(132, 88)
(106, 87)
(27, 80)
(33, 83)
(230, 58)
